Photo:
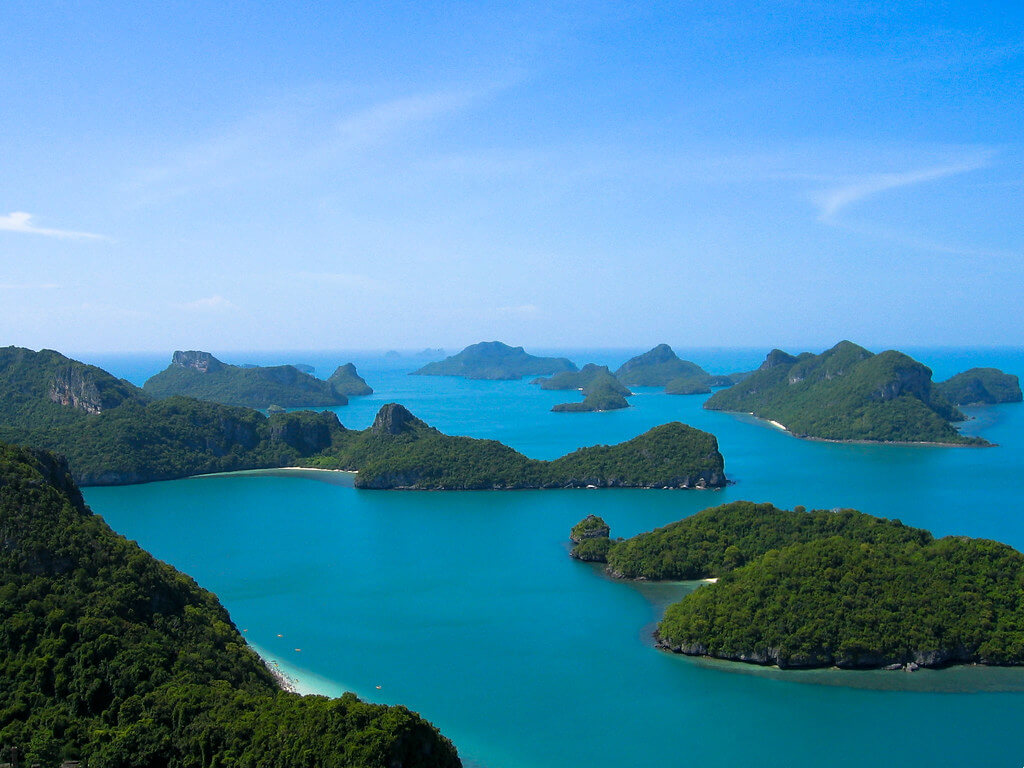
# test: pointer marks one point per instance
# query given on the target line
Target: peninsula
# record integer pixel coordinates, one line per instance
(204, 377)
(838, 588)
(847, 393)
(112, 657)
(112, 434)
(496, 361)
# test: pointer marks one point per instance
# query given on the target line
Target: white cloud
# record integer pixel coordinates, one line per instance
(19, 221)
(216, 303)
(831, 202)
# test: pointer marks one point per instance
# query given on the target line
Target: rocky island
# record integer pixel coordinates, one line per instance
(496, 361)
(204, 377)
(347, 381)
(112, 657)
(847, 393)
(839, 588)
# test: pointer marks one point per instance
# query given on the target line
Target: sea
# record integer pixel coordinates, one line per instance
(465, 606)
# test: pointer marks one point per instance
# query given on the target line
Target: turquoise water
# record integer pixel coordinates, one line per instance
(466, 608)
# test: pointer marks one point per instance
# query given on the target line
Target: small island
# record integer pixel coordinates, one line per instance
(601, 390)
(838, 588)
(141, 666)
(980, 386)
(847, 394)
(661, 367)
(347, 381)
(495, 361)
(204, 377)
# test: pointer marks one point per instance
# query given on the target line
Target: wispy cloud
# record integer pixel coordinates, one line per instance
(19, 221)
(216, 303)
(831, 202)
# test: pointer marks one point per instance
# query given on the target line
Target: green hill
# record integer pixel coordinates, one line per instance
(204, 377)
(401, 451)
(980, 386)
(847, 393)
(656, 368)
(824, 588)
(109, 656)
(347, 381)
(601, 390)
(494, 360)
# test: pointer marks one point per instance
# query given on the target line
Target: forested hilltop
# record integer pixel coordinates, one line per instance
(204, 377)
(495, 360)
(109, 656)
(112, 433)
(824, 588)
(847, 393)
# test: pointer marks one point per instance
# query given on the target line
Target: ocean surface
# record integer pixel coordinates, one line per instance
(465, 607)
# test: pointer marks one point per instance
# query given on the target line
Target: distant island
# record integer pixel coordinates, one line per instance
(399, 451)
(661, 367)
(980, 386)
(113, 433)
(839, 588)
(347, 381)
(140, 666)
(601, 390)
(847, 393)
(204, 377)
(496, 361)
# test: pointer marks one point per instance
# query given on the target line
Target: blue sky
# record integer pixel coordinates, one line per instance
(402, 175)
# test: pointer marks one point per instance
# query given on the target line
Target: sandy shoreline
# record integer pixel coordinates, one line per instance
(296, 680)
(335, 476)
(785, 429)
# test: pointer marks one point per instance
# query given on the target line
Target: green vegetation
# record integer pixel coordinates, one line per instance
(400, 451)
(204, 377)
(589, 375)
(824, 588)
(494, 360)
(715, 541)
(853, 604)
(657, 367)
(847, 393)
(980, 386)
(109, 656)
(601, 394)
(347, 381)
(113, 434)
(590, 527)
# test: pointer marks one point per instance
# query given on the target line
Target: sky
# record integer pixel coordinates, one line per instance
(281, 175)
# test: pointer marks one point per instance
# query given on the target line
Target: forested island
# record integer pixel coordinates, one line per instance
(347, 381)
(204, 377)
(980, 386)
(601, 389)
(496, 361)
(840, 588)
(847, 393)
(113, 433)
(661, 367)
(112, 657)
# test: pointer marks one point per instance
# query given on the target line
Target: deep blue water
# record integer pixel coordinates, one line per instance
(466, 608)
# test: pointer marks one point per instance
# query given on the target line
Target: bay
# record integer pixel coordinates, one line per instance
(465, 606)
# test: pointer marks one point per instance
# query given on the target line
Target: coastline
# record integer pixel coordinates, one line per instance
(783, 428)
(294, 679)
(343, 477)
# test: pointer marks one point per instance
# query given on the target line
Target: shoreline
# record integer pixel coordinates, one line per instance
(784, 428)
(292, 679)
(344, 477)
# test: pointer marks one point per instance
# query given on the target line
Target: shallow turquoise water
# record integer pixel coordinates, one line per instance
(465, 607)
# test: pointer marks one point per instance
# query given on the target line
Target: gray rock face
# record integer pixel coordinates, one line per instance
(76, 389)
(203, 362)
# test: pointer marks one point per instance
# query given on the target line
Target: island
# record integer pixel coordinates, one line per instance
(204, 377)
(399, 451)
(980, 386)
(347, 381)
(661, 367)
(800, 589)
(847, 394)
(494, 360)
(113, 433)
(112, 657)
(601, 390)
